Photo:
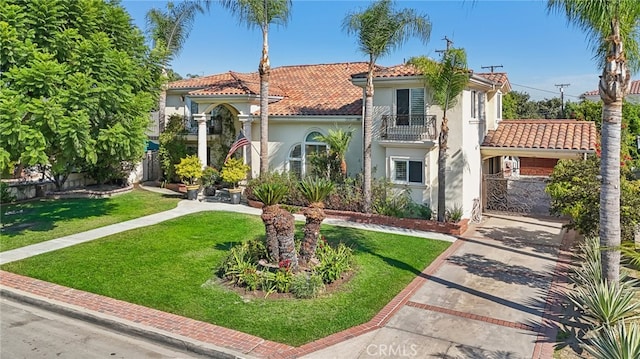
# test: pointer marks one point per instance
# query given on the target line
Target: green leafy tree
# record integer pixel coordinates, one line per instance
(574, 189)
(77, 85)
(447, 79)
(592, 111)
(169, 29)
(173, 146)
(381, 29)
(612, 26)
(261, 14)
(518, 105)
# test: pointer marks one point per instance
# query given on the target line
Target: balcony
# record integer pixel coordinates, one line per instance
(214, 127)
(407, 128)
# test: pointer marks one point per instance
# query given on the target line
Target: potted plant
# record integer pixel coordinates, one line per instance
(190, 171)
(234, 171)
(210, 179)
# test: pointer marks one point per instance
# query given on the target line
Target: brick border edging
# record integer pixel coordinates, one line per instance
(383, 316)
(545, 341)
(135, 319)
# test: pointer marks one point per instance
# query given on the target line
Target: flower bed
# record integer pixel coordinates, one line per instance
(455, 229)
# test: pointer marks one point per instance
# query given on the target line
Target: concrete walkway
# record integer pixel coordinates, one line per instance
(487, 296)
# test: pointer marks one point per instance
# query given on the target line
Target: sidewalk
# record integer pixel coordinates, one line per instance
(489, 293)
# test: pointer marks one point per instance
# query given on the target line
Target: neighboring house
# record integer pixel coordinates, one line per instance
(633, 96)
(308, 100)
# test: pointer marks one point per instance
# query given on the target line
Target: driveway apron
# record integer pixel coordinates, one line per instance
(486, 300)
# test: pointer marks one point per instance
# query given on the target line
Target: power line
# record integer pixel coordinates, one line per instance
(537, 89)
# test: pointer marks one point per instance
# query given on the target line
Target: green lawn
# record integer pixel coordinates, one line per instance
(166, 265)
(37, 221)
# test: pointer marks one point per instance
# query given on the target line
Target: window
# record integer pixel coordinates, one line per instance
(407, 171)
(300, 154)
(410, 107)
(474, 104)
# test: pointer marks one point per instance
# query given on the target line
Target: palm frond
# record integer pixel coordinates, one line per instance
(259, 13)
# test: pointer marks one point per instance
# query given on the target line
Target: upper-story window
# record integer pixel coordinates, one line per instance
(410, 107)
(474, 104)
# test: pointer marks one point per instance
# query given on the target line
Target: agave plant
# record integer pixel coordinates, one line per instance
(278, 223)
(590, 271)
(618, 342)
(605, 304)
(315, 190)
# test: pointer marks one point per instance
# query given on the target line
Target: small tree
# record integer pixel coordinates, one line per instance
(447, 79)
(190, 170)
(234, 171)
(271, 194)
(338, 141)
(315, 191)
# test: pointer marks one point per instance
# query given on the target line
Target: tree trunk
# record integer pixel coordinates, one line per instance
(614, 84)
(343, 167)
(269, 214)
(264, 70)
(162, 101)
(285, 225)
(367, 136)
(314, 215)
(443, 138)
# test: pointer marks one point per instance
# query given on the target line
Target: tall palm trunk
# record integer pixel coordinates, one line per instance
(162, 101)
(614, 84)
(367, 136)
(443, 139)
(284, 224)
(269, 215)
(264, 70)
(314, 215)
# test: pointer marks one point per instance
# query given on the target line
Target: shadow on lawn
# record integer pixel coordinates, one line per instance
(43, 215)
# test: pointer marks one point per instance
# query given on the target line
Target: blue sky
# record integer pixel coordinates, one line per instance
(537, 49)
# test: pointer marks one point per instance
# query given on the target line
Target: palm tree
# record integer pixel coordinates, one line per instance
(338, 141)
(169, 30)
(262, 13)
(279, 224)
(447, 80)
(315, 190)
(380, 29)
(613, 29)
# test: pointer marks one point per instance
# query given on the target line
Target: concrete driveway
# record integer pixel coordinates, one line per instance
(486, 300)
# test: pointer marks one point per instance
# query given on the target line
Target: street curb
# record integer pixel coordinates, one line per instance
(121, 325)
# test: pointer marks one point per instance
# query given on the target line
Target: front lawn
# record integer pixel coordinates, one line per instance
(167, 266)
(37, 221)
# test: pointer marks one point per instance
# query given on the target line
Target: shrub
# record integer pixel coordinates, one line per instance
(234, 171)
(389, 201)
(305, 286)
(210, 176)
(315, 189)
(453, 214)
(173, 145)
(347, 196)
(189, 169)
(419, 211)
(270, 193)
(292, 197)
(332, 262)
(5, 195)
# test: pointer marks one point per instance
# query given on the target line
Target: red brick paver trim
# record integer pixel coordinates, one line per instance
(545, 342)
(481, 318)
(171, 323)
(380, 319)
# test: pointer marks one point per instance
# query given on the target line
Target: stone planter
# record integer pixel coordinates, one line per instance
(235, 195)
(192, 192)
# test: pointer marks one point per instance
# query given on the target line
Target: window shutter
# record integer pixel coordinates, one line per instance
(417, 102)
(415, 171)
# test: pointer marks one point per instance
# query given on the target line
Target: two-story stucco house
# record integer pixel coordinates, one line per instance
(307, 100)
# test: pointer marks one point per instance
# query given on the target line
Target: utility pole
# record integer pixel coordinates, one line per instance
(562, 86)
(491, 67)
(449, 43)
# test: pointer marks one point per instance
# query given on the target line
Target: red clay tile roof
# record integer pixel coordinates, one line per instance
(543, 134)
(635, 90)
(324, 89)
(499, 78)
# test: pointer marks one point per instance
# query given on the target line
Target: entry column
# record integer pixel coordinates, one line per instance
(202, 138)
